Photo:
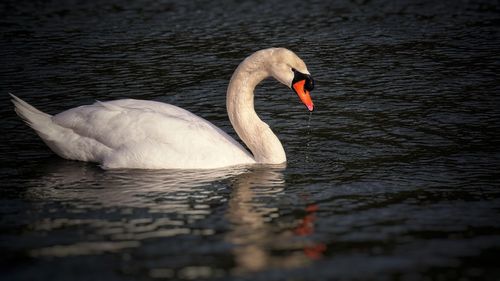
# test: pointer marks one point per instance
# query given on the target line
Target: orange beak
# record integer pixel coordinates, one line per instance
(303, 94)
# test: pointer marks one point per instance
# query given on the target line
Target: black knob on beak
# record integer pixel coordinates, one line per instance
(299, 76)
(309, 85)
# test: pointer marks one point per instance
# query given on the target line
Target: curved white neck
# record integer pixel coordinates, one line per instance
(256, 134)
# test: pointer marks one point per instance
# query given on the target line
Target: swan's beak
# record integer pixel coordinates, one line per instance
(302, 85)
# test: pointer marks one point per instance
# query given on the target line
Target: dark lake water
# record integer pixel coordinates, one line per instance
(395, 176)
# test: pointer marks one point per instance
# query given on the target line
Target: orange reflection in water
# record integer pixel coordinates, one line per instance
(306, 228)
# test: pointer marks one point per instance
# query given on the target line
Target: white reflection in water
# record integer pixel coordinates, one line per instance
(131, 205)
(253, 231)
(127, 188)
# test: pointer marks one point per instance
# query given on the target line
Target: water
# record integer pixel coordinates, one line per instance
(394, 177)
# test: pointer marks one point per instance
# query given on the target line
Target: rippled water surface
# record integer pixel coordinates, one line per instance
(395, 176)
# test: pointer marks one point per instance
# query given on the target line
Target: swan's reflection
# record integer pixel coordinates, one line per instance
(135, 205)
(124, 205)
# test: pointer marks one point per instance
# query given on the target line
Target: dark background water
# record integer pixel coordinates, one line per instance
(394, 177)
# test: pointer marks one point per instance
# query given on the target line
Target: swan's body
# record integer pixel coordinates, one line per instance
(153, 135)
(136, 134)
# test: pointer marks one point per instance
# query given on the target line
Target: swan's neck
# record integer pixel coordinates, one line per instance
(256, 134)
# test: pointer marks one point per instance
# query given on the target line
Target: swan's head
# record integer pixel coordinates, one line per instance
(290, 70)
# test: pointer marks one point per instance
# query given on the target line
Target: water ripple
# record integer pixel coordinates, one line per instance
(396, 170)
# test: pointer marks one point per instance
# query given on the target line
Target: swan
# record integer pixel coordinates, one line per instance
(143, 134)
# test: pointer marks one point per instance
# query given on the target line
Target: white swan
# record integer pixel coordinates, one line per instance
(153, 135)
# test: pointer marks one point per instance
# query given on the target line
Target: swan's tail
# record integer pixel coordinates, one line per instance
(63, 141)
(39, 121)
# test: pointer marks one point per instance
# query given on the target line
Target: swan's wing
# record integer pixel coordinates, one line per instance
(152, 134)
